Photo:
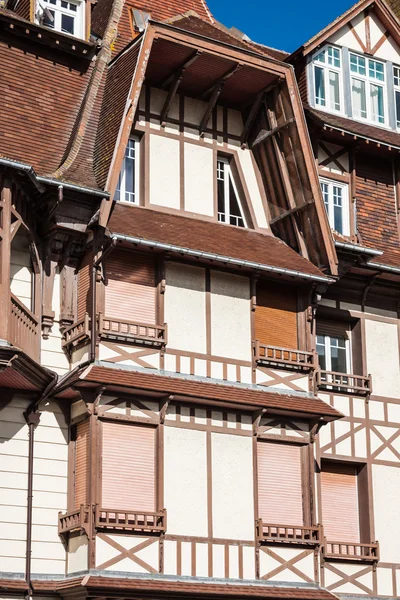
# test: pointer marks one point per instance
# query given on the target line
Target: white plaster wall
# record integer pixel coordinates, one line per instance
(49, 488)
(164, 171)
(21, 276)
(199, 179)
(386, 490)
(50, 469)
(230, 316)
(383, 358)
(52, 354)
(77, 553)
(13, 485)
(253, 188)
(185, 307)
(344, 37)
(185, 481)
(232, 486)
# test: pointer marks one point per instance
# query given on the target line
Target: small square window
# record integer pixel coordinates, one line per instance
(67, 24)
(376, 70)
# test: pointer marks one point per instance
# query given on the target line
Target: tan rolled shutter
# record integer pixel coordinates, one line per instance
(131, 287)
(128, 469)
(84, 296)
(280, 494)
(339, 498)
(81, 463)
(276, 315)
(333, 328)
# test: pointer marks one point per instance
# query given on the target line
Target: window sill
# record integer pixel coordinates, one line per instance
(294, 535)
(350, 552)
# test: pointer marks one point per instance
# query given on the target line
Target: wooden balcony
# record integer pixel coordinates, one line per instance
(300, 535)
(133, 332)
(76, 333)
(351, 552)
(76, 520)
(130, 521)
(24, 328)
(357, 385)
(283, 358)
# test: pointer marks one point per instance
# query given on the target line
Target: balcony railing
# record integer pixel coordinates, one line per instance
(75, 520)
(24, 330)
(351, 552)
(130, 520)
(76, 333)
(359, 385)
(121, 330)
(285, 358)
(288, 534)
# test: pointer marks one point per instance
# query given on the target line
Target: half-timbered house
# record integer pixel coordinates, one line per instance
(198, 306)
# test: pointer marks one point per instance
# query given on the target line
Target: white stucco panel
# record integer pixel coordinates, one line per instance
(199, 179)
(383, 349)
(186, 288)
(230, 316)
(185, 481)
(252, 186)
(164, 171)
(232, 504)
(386, 489)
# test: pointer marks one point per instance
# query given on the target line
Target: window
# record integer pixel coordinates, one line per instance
(128, 182)
(327, 78)
(336, 202)
(396, 80)
(63, 16)
(333, 346)
(367, 88)
(229, 208)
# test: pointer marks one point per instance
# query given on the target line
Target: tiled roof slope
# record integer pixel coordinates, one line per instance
(205, 236)
(38, 119)
(208, 391)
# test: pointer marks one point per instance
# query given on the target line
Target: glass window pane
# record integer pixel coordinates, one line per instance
(358, 97)
(221, 196)
(319, 86)
(67, 24)
(129, 180)
(397, 96)
(320, 347)
(357, 64)
(48, 18)
(321, 56)
(396, 76)
(334, 57)
(118, 190)
(338, 355)
(235, 216)
(334, 90)
(325, 194)
(377, 111)
(338, 208)
(376, 70)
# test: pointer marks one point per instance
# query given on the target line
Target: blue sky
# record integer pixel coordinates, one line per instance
(280, 24)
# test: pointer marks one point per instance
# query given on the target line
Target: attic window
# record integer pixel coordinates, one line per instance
(327, 78)
(62, 15)
(229, 206)
(140, 18)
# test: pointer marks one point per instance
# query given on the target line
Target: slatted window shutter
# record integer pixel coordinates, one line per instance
(276, 315)
(333, 328)
(84, 301)
(128, 467)
(81, 463)
(130, 293)
(339, 498)
(280, 493)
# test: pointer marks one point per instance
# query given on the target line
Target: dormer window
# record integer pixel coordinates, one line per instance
(229, 207)
(367, 88)
(63, 15)
(327, 78)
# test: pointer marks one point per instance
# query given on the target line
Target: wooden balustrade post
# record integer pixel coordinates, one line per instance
(5, 259)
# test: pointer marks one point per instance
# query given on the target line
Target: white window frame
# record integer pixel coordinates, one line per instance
(328, 355)
(368, 82)
(396, 91)
(331, 183)
(326, 68)
(228, 176)
(121, 185)
(59, 10)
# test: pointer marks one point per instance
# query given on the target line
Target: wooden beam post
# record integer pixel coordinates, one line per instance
(5, 257)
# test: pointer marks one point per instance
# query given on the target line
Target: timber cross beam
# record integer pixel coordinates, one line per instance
(264, 134)
(174, 82)
(215, 91)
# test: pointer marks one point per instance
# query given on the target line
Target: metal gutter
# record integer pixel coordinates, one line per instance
(356, 248)
(363, 137)
(220, 258)
(38, 180)
(387, 268)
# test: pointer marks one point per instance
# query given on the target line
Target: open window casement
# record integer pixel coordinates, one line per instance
(230, 209)
(62, 15)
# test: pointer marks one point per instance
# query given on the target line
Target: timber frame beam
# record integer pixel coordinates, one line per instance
(174, 82)
(215, 91)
